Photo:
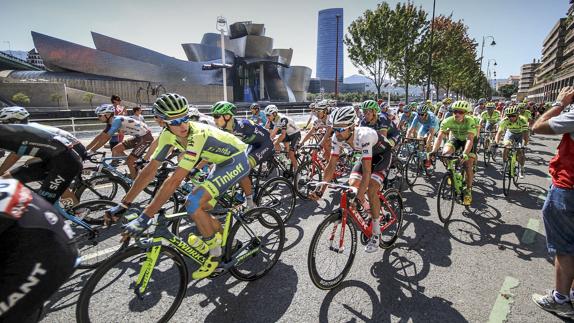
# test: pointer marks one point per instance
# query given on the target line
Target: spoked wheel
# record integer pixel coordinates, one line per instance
(102, 187)
(306, 172)
(328, 261)
(517, 170)
(104, 241)
(391, 217)
(279, 195)
(506, 179)
(116, 279)
(486, 153)
(258, 241)
(412, 170)
(446, 198)
(395, 178)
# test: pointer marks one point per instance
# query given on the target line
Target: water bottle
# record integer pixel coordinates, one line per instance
(197, 243)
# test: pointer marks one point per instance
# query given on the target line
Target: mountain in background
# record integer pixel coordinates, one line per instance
(353, 79)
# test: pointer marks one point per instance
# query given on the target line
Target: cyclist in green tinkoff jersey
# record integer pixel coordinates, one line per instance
(462, 129)
(199, 142)
(515, 129)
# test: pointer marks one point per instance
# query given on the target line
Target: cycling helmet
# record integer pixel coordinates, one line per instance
(461, 106)
(413, 106)
(223, 108)
(344, 116)
(193, 113)
(447, 101)
(428, 101)
(332, 103)
(513, 110)
(13, 113)
(105, 108)
(481, 101)
(423, 108)
(370, 105)
(322, 105)
(170, 105)
(490, 105)
(256, 106)
(401, 104)
(521, 106)
(270, 109)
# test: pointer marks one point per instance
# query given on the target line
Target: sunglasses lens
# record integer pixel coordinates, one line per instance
(177, 122)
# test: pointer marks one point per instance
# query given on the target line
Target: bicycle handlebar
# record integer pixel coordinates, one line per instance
(351, 190)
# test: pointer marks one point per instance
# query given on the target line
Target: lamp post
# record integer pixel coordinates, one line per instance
(493, 43)
(222, 27)
(337, 58)
(488, 70)
(431, 51)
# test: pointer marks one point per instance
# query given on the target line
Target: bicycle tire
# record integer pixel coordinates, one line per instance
(104, 271)
(517, 170)
(486, 152)
(306, 172)
(391, 195)
(95, 248)
(275, 194)
(314, 265)
(446, 192)
(412, 169)
(270, 220)
(506, 180)
(102, 187)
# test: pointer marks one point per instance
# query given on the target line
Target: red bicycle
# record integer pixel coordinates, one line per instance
(334, 244)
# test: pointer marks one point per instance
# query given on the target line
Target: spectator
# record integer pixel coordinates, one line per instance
(118, 110)
(558, 210)
(138, 114)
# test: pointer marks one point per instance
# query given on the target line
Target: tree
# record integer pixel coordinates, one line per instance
(56, 97)
(508, 90)
(21, 98)
(88, 98)
(368, 43)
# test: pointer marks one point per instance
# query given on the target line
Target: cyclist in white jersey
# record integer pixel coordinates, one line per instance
(290, 133)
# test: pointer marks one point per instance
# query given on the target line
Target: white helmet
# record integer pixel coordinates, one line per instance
(322, 105)
(105, 108)
(332, 103)
(270, 109)
(193, 112)
(13, 113)
(343, 117)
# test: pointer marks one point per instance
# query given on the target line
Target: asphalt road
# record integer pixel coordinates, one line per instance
(482, 265)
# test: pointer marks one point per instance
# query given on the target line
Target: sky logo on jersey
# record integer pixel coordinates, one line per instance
(229, 175)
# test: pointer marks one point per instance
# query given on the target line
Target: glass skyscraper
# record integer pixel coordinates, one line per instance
(327, 44)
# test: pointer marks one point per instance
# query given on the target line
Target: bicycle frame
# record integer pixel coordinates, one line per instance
(451, 166)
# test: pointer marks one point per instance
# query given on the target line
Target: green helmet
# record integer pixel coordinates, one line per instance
(370, 105)
(521, 106)
(512, 110)
(223, 108)
(463, 106)
(423, 108)
(490, 105)
(170, 105)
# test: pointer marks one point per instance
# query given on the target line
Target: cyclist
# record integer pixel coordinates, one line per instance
(312, 107)
(202, 142)
(408, 116)
(489, 118)
(515, 129)
(369, 173)
(447, 111)
(525, 110)
(427, 124)
(479, 109)
(142, 137)
(36, 256)
(257, 137)
(257, 116)
(462, 129)
(320, 126)
(196, 116)
(290, 132)
(374, 118)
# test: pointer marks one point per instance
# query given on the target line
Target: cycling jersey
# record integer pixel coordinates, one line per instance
(128, 125)
(259, 139)
(527, 115)
(366, 140)
(459, 130)
(383, 122)
(478, 110)
(431, 122)
(492, 118)
(285, 124)
(260, 118)
(408, 119)
(30, 140)
(518, 126)
(319, 123)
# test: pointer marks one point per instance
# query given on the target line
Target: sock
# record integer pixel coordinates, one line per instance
(559, 298)
(376, 227)
(249, 200)
(214, 243)
(572, 294)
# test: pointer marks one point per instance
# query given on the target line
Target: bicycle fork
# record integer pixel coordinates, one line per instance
(146, 269)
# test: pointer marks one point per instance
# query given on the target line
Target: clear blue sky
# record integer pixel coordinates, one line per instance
(519, 26)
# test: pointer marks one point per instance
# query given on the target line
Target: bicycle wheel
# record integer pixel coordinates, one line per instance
(391, 217)
(112, 285)
(306, 172)
(506, 179)
(279, 195)
(328, 265)
(517, 170)
(261, 235)
(102, 187)
(412, 169)
(103, 242)
(486, 152)
(446, 198)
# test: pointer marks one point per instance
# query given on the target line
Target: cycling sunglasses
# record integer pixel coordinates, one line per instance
(458, 112)
(177, 122)
(422, 114)
(511, 115)
(339, 130)
(217, 116)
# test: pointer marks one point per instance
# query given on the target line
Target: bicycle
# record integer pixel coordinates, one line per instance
(452, 186)
(252, 244)
(343, 242)
(511, 168)
(487, 152)
(416, 162)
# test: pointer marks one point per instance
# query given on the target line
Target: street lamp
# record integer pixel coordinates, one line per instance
(488, 70)
(431, 51)
(222, 27)
(337, 58)
(493, 43)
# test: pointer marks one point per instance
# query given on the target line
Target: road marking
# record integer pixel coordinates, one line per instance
(542, 197)
(530, 232)
(505, 298)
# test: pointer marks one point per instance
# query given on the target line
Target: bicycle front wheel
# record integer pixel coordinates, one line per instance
(486, 152)
(329, 260)
(446, 198)
(391, 217)
(102, 187)
(110, 293)
(506, 178)
(258, 239)
(306, 172)
(279, 195)
(413, 169)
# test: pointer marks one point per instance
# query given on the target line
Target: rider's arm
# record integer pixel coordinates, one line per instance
(438, 141)
(308, 135)
(142, 181)
(469, 142)
(151, 149)
(550, 123)
(102, 141)
(411, 132)
(9, 162)
(95, 141)
(330, 170)
(165, 191)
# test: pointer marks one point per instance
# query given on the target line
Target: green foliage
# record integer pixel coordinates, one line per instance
(56, 97)
(508, 90)
(88, 98)
(21, 98)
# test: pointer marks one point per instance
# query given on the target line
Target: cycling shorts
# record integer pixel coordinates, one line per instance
(259, 153)
(225, 175)
(510, 138)
(379, 167)
(458, 145)
(138, 145)
(293, 140)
